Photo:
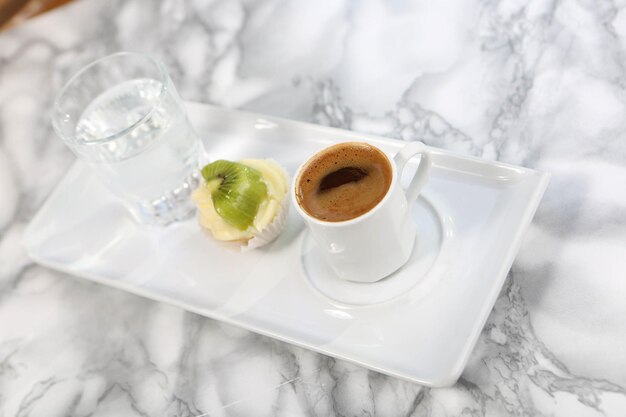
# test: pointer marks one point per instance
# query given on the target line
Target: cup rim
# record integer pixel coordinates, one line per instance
(109, 138)
(355, 220)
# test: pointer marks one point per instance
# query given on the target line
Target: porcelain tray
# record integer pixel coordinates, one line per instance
(419, 324)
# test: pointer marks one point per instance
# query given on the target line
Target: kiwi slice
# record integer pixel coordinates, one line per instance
(239, 192)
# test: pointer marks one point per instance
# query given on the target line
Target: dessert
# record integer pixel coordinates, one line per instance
(243, 202)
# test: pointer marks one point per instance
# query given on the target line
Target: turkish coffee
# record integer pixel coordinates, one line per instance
(344, 181)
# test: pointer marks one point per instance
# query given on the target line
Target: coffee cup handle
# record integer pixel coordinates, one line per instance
(423, 170)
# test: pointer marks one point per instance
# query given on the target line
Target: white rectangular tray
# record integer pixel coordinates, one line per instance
(419, 324)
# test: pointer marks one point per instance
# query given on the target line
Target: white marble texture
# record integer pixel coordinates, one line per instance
(538, 83)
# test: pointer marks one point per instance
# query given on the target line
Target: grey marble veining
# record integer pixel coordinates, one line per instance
(539, 83)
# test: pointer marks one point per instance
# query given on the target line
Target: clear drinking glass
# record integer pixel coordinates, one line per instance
(121, 115)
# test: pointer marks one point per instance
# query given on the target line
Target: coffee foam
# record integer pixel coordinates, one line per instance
(355, 196)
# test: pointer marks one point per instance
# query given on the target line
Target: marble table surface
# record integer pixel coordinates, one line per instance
(537, 83)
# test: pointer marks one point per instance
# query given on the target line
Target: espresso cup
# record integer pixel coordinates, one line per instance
(376, 243)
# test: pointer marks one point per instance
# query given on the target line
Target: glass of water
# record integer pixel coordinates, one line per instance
(121, 116)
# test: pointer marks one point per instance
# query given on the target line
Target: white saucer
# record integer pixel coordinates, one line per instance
(416, 273)
(419, 324)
